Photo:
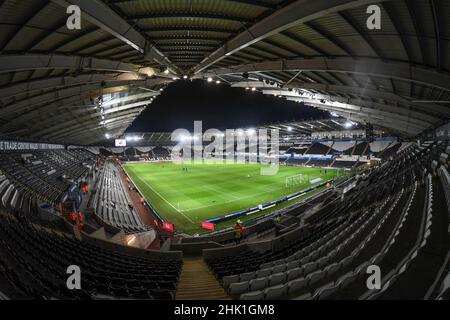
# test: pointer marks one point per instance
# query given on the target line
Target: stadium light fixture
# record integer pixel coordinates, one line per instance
(253, 89)
(131, 240)
(247, 88)
(185, 77)
(210, 79)
(334, 114)
(107, 136)
(167, 71)
(218, 82)
(348, 124)
(289, 129)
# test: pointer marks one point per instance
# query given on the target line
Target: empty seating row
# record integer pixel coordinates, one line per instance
(35, 261)
(307, 267)
(112, 203)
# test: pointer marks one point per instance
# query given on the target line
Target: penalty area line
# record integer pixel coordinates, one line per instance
(159, 195)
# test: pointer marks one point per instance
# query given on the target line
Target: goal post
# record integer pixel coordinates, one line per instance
(293, 181)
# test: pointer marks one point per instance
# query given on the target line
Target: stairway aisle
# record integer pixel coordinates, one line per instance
(198, 283)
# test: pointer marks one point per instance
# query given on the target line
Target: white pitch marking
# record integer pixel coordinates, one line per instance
(165, 199)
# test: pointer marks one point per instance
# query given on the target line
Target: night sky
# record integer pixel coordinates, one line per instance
(218, 106)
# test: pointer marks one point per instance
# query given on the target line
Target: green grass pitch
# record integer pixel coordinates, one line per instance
(205, 190)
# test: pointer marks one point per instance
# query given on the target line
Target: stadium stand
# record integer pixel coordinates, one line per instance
(377, 109)
(343, 146)
(338, 243)
(345, 164)
(47, 174)
(361, 149)
(34, 260)
(320, 163)
(318, 148)
(296, 162)
(160, 153)
(112, 202)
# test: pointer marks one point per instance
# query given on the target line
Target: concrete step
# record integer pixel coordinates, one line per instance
(198, 283)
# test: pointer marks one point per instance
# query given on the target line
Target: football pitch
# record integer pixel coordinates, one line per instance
(186, 197)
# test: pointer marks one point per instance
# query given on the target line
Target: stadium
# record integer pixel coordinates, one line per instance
(224, 150)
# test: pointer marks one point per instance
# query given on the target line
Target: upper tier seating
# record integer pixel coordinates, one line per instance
(161, 153)
(112, 202)
(297, 150)
(318, 148)
(388, 152)
(361, 149)
(343, 146)
(47, 174)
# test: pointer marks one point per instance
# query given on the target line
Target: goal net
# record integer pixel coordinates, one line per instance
(293, 181)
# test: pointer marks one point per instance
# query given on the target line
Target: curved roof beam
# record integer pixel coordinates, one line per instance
(368, 67)
(101, 15)
(298, 12)
(82, 126)
(364, 110)
(89, 114)
(64, 102)
(387, 109)
(434, 109)
(28, 105)
(391, 124)
(13, 63)
(110, 79)
(257, 3)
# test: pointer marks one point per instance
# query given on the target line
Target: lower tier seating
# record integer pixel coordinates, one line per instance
(112, 202)
(34, 261)
(388, 221)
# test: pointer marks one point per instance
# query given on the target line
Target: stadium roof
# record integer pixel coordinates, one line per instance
(316, 51)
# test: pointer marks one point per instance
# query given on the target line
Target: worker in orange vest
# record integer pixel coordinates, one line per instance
(238, 232)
